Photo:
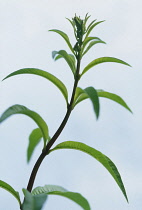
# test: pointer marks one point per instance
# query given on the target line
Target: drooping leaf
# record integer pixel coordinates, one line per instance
(91, 44)
(44, 74)
(69, 58)
(34, 139)
(103, 159)
(90, 28)
(10, 189)
(92, 94)
(65, 37)
(19, 109)
(113, 97)
(81, 96)
(57, 190)
(103, 60)
(33, 202)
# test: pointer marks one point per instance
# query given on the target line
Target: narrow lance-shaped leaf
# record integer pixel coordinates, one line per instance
(19, 109)
(91, 27)
(57, 190)
(69, 58)
(73, 25)
(10, 189)
(103, 159)
(33, 202)
(81, 96)
(65, 37)
(91, 44)
(92, 93)
(113, 97)
(89, 39)
(91, 24)
(102, 60)
(34, 139)
(44, 74)
(60, 56)
(86, 18)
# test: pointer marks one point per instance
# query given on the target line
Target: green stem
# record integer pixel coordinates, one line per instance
(56, 135)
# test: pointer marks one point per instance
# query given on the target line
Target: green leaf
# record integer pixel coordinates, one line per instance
(81, 96)
(102, 60)
(78, 92)
(34, 139)
(69, 58)
(91, 24)
(114, 97)
(19, 109)
(57, 190)
(33, 202)
(103, 159)
(91, 45)
(7, 187)
(92, 94)
(91, 27)
(86, 19)
(65, 37)
(88, 39)
(73, 25)
(44, 74)
(57, 57)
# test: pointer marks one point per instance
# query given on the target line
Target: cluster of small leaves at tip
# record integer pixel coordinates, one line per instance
(79, 26)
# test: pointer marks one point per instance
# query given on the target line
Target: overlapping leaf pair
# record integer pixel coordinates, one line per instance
(84, 42)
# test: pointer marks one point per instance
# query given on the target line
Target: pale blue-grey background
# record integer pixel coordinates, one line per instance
(26, 42)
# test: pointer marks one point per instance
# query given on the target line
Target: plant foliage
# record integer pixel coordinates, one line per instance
(35, 199)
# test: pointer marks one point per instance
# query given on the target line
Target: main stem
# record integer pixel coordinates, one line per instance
(58, 132)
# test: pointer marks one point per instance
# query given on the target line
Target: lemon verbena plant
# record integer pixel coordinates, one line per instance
(34, 199)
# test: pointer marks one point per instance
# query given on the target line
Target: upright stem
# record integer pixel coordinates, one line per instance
(58, 132)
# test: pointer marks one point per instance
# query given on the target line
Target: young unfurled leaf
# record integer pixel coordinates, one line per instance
(86, 19)
(92, 94)
(114, 97)
(44, 74)
(33, 202)
(65, 37)
(103, 159)
(91, 24)
(68, 57)
(102, 60)
(34, 139)
(19, 109)
(10, 189)
(57, 190)
(73, 25)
